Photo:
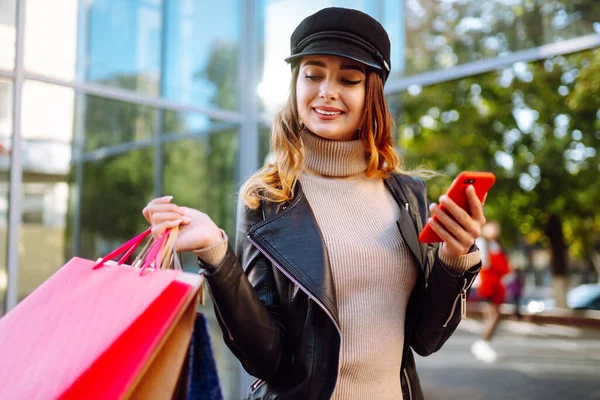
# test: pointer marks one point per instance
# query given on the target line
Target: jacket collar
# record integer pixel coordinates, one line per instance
(286, 226)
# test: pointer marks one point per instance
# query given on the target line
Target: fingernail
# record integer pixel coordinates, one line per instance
(431, 206)
(430, 220)
(168, 198)
(442, 198)
(187, 220)
(471, 188)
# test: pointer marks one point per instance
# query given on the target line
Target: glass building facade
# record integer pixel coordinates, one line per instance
(105, 104)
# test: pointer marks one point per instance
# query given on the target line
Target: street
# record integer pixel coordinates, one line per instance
(535, 362)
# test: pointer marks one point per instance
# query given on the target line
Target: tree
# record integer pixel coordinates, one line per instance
(535, 126)
(442, 34)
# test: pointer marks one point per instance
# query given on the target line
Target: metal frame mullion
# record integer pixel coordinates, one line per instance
(133, 97)
(5, 73)
(247, 77)
(478, 67)
(16, 168)
(99, 154)
(248, 134)
(160, 116)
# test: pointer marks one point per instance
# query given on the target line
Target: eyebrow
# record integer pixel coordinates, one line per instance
(342, 67)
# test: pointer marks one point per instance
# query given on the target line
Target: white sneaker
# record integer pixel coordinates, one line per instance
(483, 351)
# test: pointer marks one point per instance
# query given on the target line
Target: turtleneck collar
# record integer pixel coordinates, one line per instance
(333, 158)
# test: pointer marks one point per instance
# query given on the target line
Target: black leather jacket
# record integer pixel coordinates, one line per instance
(280, 317)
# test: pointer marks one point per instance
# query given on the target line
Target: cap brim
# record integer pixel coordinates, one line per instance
(335, 48)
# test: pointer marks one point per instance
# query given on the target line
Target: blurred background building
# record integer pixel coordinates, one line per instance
(105, 104)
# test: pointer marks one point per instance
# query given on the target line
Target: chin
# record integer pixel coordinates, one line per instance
(333, 133)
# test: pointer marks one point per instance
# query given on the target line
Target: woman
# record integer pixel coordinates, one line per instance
(491, 288)
(329, 287)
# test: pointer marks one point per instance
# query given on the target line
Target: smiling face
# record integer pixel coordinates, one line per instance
(330, 96)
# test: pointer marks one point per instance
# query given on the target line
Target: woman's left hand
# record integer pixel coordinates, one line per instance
(457, 228)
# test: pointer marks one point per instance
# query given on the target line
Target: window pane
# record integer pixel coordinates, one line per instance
(124, 44)
(114, 191)
(278, 19)
(264, 144)
(448, 33)
(6, 126)
(201, 52)
(110, 122)
(51, 38)
(8, 34)
(47, 131)
(201, 173)
(6, 109)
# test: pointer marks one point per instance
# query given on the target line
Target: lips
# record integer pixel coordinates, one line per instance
(327, 112)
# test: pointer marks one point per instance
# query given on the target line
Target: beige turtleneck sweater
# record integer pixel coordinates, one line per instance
(372, 268)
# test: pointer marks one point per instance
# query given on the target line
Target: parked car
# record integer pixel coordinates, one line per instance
(582, 297)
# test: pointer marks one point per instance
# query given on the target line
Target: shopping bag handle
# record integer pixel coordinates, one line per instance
(127, 248)
(155, 252)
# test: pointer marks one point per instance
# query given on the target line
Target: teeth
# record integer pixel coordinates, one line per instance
(327, 112)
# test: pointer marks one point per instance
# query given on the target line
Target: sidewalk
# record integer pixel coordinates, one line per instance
(558, 316)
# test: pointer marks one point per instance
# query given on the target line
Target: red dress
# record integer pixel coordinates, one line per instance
(491, 287)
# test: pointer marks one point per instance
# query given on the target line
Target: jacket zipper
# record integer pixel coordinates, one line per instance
(256, 384)
(408, 384)
(291, 278)
(462, 296)
(313, 298)
(463, 302)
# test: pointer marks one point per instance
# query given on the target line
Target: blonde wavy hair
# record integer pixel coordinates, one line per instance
(275, 182)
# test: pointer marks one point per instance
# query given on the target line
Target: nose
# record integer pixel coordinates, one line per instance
(329, 90)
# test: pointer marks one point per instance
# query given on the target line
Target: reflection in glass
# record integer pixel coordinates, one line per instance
(6, 109)
(47, 131)
(201, 52)
(111, 122)
(264, 144)
(201, 173)
(8, 34)
(444, 34)
(114, 191)
(6, 127)
(51, 37)
(124, 44)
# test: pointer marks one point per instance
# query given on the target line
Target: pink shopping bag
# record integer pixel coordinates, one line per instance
(92, 333)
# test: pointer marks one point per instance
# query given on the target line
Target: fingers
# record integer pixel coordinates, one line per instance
(455, 226)
(475, 206)
(451, 231)
(161, 205)
(454, 246)
(159, 229)
(160, 217)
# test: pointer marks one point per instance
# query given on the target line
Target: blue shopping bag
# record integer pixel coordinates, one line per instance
(199, 379)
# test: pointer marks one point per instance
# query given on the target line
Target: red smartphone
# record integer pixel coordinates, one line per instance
(481, 181)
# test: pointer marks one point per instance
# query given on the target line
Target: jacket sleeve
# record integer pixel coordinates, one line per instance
(248, 307)
(440, 311)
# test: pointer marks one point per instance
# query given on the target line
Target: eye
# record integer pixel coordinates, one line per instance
(312, 77)
(351, 82)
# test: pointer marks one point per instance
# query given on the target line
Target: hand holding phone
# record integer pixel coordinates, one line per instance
(481, 181)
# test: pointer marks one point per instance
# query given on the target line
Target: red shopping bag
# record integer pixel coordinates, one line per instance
(93, 333)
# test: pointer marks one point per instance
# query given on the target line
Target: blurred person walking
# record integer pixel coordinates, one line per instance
(329, 290)
(491, 289)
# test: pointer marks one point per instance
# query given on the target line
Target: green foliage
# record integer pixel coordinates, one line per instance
(536, 126)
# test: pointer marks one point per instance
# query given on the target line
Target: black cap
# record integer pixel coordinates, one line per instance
(346, 33)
